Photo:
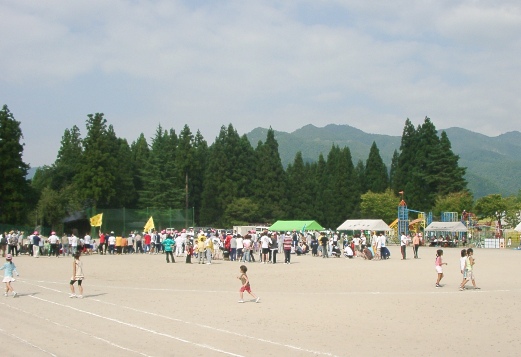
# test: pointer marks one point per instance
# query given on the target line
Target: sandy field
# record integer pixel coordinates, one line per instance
(139, 305)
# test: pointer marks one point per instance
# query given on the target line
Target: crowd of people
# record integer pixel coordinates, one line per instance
(205, 246)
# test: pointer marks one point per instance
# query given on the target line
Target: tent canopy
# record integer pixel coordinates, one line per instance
(518, 227)
(446, 227)
(364, 225)
(295, 225)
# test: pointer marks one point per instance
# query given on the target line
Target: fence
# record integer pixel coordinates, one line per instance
(122, 221)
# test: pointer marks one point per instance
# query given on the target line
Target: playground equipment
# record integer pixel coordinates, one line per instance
(402, 223)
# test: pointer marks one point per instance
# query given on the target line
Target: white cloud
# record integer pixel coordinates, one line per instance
(255, 63)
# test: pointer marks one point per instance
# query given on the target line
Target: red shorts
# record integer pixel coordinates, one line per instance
(245, 288)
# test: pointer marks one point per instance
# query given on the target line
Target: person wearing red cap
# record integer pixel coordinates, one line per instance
(9, 268)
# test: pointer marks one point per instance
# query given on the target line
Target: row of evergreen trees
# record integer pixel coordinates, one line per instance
(228, 182)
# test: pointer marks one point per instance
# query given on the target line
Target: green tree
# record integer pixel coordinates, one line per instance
(376, 177)
(360, 172)
(491, 206)
(241, 211)
(67, 164)
(140, 157)
(379, 205)
(392, 172)
(299, 189)
(445, 175)
(96, 179)
(14, 187)
(454, 202)
(228, 175)
(270, 183)
(161, 177)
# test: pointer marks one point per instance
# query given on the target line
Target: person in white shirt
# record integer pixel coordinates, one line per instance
(265, 246)
(87, 241)
(54, 241)
(112, 243)
(179, 243)
(240, 247)
(356, 241)
(73, 243)
(403, 245)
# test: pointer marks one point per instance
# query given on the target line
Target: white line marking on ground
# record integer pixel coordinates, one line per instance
(217, 329)
(448, 290)
(74, 329)
(138, 327)
(205, 326)
(26, 342)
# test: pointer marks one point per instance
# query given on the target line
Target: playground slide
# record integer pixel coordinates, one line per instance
(395, 222)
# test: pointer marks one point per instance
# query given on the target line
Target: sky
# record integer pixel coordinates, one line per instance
(280, 64)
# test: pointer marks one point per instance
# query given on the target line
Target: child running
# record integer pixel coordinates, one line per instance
(439, 269)
(463, 269)
(9, 268)
(245, 284)
(77, 276)
(470, 267)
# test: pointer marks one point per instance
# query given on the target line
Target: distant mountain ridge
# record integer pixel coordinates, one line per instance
(493, 163)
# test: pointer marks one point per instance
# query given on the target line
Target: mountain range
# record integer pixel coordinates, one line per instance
(493, 163)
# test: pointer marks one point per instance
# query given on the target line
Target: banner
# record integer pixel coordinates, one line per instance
(150, 224)
(96, 220)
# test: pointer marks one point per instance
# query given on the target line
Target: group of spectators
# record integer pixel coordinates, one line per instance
(204, 246)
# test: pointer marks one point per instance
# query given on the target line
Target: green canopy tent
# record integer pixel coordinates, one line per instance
(295, 225)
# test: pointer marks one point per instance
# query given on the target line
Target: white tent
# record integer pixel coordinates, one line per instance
(364, 225)
(518, 227)
(446, 227)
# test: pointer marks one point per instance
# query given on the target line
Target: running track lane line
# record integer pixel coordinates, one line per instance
(74, 329)
(203, 326)
(26, 342)
(139, 327)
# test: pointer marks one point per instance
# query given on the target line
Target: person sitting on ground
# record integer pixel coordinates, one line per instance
(367, 254)
(348, 252)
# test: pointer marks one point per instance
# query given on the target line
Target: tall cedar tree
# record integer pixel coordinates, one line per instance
(319, 204)
(392, 171)
(184, 159)
(421, 189)
(342, 189)
(126, 194)
(299, 193)
(96, 179)
(15, 189)
(362, 179)
(67, 164)
(160, 175)
(376, 177)
(447, 176)
(270, 183)
(198, 170)
(406, 159)
(140, 156)
(228, 174)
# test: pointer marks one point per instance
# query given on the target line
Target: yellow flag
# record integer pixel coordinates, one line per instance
(96, 220)
(150, 224)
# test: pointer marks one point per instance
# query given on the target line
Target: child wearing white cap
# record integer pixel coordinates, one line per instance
(9, 268)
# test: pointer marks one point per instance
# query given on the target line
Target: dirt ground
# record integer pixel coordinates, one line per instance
(139, 305)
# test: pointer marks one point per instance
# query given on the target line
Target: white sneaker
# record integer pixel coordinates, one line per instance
(257, 299)
(5, 294)
(240, 301)
(15, 294)
(72, 295)
(80, 296)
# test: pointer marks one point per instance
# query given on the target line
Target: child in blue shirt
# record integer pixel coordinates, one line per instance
(9, 268)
